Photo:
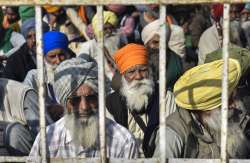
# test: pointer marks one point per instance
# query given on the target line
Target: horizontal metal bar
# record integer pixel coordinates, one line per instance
(238, 161)
(107, 2)
(201, 1)
(150, 160)
(13, 159)
(75, 2)
(194, 160)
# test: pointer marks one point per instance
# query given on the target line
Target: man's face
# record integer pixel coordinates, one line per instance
(83, 102)
(137, 87)
(154, 43)
(108, 29)
(234, 12)
(153, 55)
(56, 56)
(31, 40)
(81, 117)
(138, 72)
(237, 142)
(11, 15)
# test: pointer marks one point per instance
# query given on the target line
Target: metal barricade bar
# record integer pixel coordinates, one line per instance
(101, 84)
(224, 107)
(40, 69)
(162, 79)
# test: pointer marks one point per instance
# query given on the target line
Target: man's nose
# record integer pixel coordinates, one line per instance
(33, 39)
(138, 75)
(83, 106)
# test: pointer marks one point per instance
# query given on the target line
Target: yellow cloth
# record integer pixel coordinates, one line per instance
(51, 9)
(200, 88)
(130, 56)
(108, 17)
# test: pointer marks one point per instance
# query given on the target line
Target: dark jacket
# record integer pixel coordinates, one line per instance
(18, 64)
(116, 105)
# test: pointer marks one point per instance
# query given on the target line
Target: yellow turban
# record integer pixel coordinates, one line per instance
(51, 9)
(108, 17)
(200, 88)
(129, 56)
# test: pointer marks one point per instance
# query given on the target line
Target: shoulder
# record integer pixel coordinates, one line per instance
(113, 100)
(112, 96)
(56, 127)
(31, 77)
(17, 38)
(118, 132)
(174, 144)
(208, 32)
(87, 47)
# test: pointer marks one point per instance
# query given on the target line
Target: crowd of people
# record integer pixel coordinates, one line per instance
(131, 58)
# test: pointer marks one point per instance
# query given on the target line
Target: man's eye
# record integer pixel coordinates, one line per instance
(131, 72)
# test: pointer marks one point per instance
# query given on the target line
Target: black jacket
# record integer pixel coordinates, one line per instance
(18, 64)
(116, 105)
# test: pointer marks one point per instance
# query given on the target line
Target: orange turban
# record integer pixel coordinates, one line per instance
(51, 9)
(129, 56)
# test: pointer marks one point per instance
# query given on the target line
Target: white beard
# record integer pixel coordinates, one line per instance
(137, 93)
(50, 72)
(237, 143)
(84, 131)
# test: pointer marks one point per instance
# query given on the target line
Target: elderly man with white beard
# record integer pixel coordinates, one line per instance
(76, 134)
(136, 104)
(193, 131)
(56, 50)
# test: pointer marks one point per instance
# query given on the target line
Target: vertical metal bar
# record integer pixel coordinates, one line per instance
(224, 106)
(40, 68)
(162, 78)
(101, 84)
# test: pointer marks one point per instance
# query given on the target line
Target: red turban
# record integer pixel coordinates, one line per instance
(217, 11)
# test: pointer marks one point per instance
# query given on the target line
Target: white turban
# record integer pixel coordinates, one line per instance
(176, 41)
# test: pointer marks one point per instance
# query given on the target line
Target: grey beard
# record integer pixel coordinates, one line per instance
(84, 131)
(237, 143)
(137, 93)
(153, 61)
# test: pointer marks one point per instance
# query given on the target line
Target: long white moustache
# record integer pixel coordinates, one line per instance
(137, 93)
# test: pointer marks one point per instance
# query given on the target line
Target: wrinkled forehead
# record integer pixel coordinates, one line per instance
(136, 67)
(84, 89)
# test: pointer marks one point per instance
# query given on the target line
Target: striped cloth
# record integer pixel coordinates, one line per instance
(121, 143)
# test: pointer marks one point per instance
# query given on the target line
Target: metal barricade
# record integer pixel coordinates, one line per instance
(162, 58)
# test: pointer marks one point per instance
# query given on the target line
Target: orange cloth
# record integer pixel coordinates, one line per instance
(169, 20)
(6, 23)
(82, 14)
(129, 56)
(51, 9)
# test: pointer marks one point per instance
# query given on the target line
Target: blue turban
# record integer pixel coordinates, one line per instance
(29, 24)
(53, 40)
